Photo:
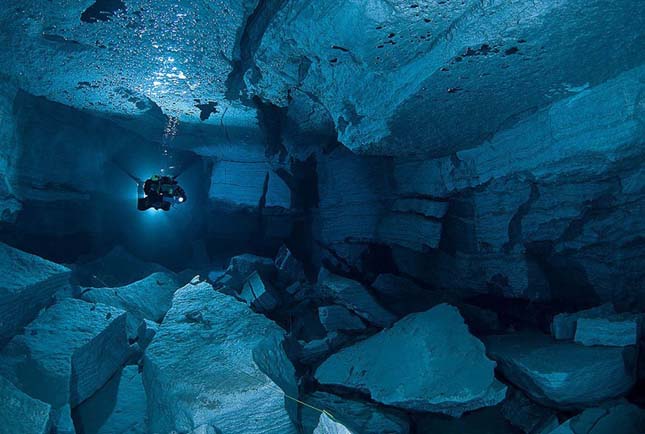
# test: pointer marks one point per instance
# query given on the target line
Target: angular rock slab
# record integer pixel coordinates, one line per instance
(241, 267)
(562, 374)
(335, 318)
(354, 297)
(426, 362)
(327, 425)
(618, 330)
(149, 298)
(70, 351)
(564, 325)
(199, 368)
(20, 413)
(27, 284)
(119, 407)
(259, 294)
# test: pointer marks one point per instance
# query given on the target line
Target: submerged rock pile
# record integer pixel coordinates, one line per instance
(323, 356)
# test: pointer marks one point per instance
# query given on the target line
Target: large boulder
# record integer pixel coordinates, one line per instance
(358, 416)
(70, 351)
(149, 298)
(426, 362)
(20, 413)
(27, 284)
(199, 368)
(354, 296)
(563, 374)
(119, 407)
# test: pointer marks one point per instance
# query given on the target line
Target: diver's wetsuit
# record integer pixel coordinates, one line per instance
(160, 193)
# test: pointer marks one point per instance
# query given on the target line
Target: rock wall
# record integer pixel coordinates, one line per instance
(547, 210)
(9, 203)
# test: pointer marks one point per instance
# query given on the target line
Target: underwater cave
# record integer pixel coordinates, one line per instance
(322, 217)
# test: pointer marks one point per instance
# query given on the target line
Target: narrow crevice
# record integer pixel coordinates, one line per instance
(515, 225)
(251, 37)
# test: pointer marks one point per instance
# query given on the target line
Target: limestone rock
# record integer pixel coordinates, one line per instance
(413, 365)
(27, 284)
(70, 351)
(119, 407)
(199, 368)
(270, 356)
(63, 423)
(620, 417)
(330, 426)
(355, 297)
(259, 294)
(616, 330)
(335, 318)
(147, 331)
(525, 414)
(427, 208)
(204, 429)
(562, 374)
(241, 267)
(149, 298)
(314, 351)
(243, 184)
(360, 417)
(409, 230)
(564, 324)
(288, 265)
(19, 413)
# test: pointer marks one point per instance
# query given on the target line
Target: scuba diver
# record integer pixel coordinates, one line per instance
(160, 192)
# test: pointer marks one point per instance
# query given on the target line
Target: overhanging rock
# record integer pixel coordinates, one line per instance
(413, 365)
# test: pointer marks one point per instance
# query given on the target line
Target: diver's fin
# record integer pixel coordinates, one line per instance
(127, 172)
